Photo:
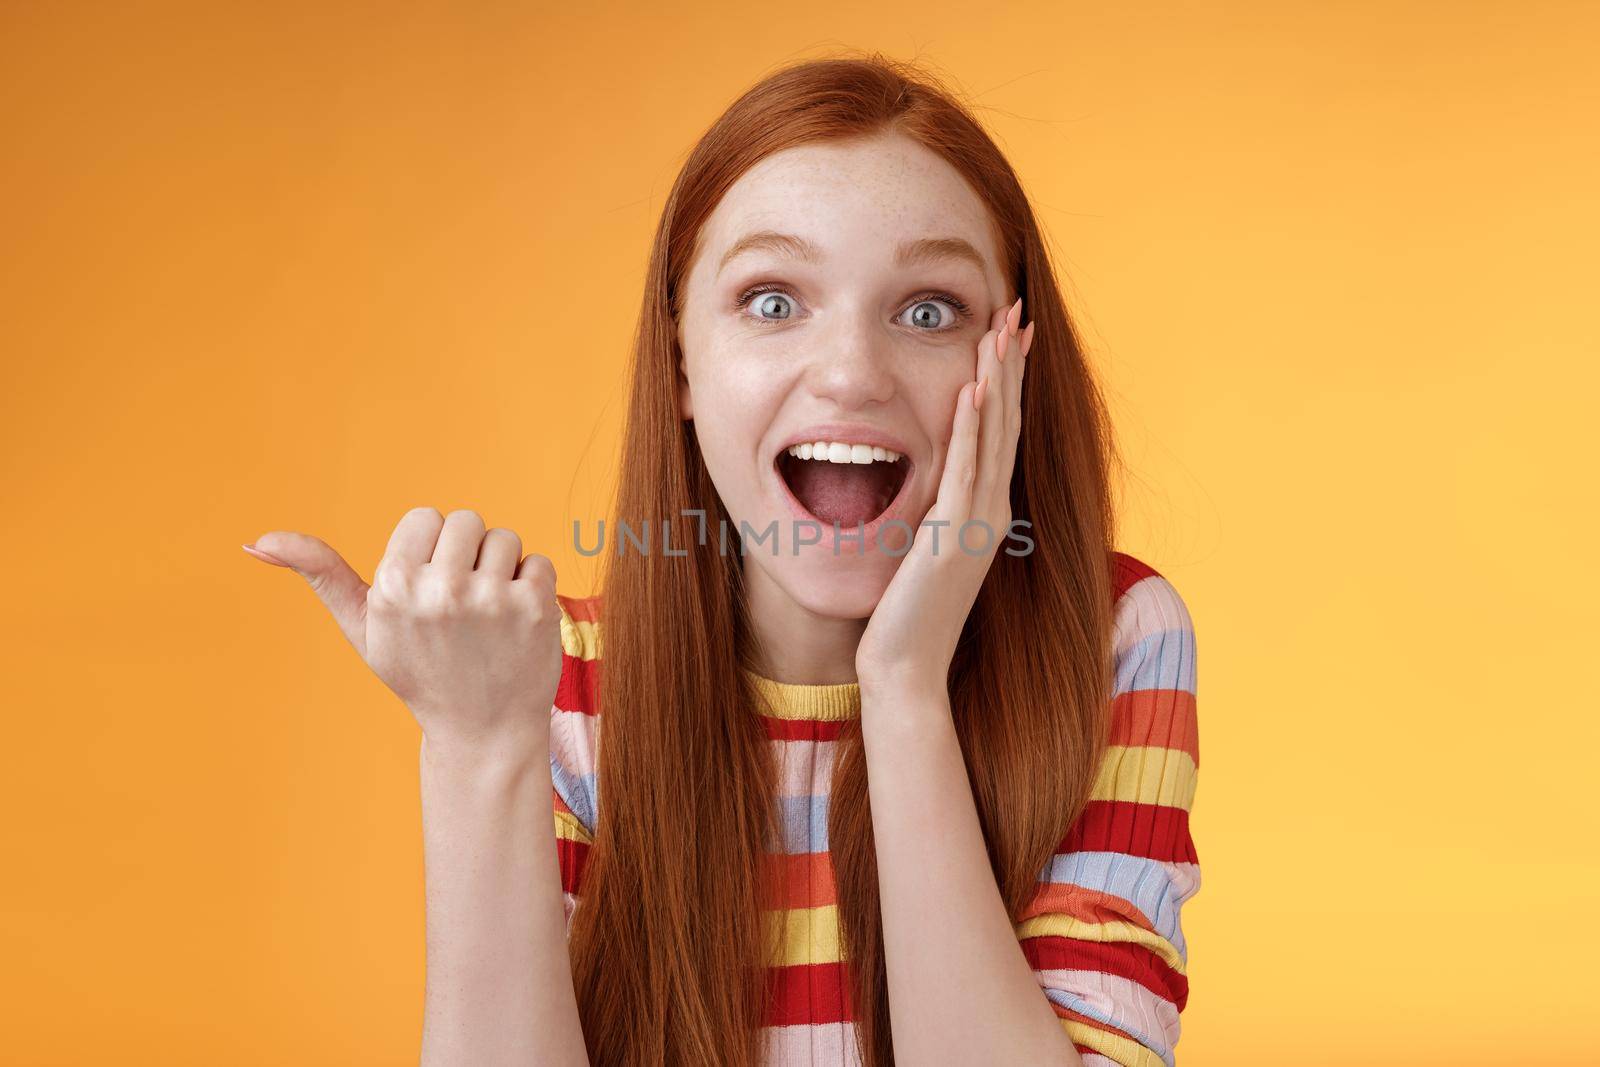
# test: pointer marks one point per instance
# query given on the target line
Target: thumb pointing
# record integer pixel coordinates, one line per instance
(334, 581)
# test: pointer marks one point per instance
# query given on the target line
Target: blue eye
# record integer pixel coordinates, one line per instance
(774, 306)
(935, 312)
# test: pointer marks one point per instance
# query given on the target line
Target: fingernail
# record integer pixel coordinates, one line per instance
(1000, 346)
(1014, 316)
(977, 394)
(267, 556)
(1027, 339)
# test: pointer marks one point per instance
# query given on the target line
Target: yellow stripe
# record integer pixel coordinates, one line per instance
(802, 935)
(580, 639)
(568, 828)
(1146, 775)
(1125, 1050)
(787, 700)
(1055, 924)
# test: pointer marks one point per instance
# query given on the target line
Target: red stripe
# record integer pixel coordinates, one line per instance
(560, 802)
(1154, 831)
(1090, 905)
(581, 608)
(807, 993)
(799, 880)
(802, 729)
(1120, 958)
(579, 682)
(1162, 718)
(1127, 570)
(571, 856)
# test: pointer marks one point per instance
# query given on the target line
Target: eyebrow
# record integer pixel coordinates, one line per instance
(789, 246)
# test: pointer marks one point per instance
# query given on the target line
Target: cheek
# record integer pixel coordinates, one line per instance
(734, 410)
(934, 399)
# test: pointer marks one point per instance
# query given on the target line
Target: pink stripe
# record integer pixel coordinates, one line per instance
(1130, 1006)
(1146, 608)
(572, 738)
(803, 1046)
(805, 767)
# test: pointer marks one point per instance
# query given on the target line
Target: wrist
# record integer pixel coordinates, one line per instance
(903, 681)
(494, 755)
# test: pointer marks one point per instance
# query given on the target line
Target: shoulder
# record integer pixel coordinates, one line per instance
(1153, 632)
(1153, 755)
(1104, 930)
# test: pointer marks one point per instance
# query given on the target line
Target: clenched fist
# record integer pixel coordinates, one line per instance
(461, 626)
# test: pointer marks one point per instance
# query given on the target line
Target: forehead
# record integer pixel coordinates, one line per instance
(879, 190)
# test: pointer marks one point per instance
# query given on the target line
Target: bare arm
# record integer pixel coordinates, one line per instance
(469, 638)
(499, 980)
(960, 989)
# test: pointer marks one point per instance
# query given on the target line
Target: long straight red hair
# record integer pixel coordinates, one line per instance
(667, 944)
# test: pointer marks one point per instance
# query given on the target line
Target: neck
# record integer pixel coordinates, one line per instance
(796, 645)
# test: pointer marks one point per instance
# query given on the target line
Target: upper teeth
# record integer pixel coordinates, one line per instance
(840, 452)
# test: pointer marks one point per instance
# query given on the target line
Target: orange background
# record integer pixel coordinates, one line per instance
(310, 265)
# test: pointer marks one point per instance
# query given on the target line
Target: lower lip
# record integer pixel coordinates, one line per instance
(869, 531)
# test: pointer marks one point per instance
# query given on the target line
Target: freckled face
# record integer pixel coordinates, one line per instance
(841, 327)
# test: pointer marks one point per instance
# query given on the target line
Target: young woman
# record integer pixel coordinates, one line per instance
(898, 751)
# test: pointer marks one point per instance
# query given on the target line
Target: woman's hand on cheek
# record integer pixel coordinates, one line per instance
(912, 634)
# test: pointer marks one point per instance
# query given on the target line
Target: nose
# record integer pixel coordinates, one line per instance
(851, 363)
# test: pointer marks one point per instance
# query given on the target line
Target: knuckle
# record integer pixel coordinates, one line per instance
(538, 569)
(388, 589)
(532, 603)
(439, 595)
(508, 539)
(486, 596)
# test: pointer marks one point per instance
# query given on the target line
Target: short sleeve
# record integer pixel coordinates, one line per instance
(1103, 931)
(574, 731)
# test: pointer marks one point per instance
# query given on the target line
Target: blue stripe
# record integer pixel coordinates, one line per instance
(1071, 1000)
(1144, 883)
(804, 822)
(577, 791)
(1162, 660)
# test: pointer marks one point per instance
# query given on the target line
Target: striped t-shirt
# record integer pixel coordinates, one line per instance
(1102, 932)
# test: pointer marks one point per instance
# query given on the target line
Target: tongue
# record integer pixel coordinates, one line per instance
(846, 493)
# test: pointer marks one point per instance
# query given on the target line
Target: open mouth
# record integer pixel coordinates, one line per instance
(844, 483)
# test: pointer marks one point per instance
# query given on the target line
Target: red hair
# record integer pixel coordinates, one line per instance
(667, 944)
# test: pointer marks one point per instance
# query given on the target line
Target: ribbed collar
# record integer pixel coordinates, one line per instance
(788, 700)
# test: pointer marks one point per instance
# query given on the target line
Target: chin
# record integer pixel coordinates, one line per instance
(845, 586)
(848, 585)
